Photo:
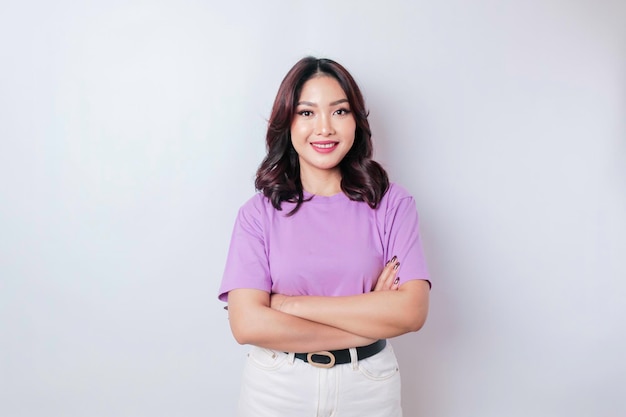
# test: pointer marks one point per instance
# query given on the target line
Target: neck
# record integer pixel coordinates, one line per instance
(322, 184)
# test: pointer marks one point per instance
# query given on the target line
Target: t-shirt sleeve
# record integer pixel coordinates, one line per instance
(247, 262)
(403, 239)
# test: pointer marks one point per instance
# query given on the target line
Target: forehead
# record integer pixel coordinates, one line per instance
(322, 88)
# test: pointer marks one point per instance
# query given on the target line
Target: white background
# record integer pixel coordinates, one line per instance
(130, 133)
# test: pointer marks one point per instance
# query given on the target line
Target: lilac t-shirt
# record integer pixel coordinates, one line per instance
(332, 246)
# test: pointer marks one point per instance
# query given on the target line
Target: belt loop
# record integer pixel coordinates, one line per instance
(354, 359)
(291, 357)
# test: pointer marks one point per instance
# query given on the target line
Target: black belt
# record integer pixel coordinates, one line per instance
(328, 359)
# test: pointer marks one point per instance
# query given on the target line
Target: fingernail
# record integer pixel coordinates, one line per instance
(395, 267)
(394, 258)
(396, 281)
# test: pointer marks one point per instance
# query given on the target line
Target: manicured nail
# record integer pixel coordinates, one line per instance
(395, 258)
(396, 281)
(396, 266)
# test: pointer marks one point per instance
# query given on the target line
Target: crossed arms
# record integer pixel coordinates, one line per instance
(313, 323)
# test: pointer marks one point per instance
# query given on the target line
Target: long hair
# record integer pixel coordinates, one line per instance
(278, 176)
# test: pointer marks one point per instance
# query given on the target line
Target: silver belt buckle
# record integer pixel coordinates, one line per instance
(309, 358)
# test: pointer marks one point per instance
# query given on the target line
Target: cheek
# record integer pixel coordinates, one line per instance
(350, 131)
(298, 130)
(350, 126)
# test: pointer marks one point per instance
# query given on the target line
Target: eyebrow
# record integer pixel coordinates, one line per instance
(334, 103)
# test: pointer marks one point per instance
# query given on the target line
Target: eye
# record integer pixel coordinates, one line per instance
(342, 112)
(305, 113)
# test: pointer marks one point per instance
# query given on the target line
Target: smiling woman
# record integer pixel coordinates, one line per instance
(279, 176)
(322, 133)
(315, 289)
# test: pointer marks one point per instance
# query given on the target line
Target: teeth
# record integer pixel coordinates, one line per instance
(323, 145)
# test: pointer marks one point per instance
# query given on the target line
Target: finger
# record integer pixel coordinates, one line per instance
(392, 279)
(391, 275)
(384, 276)
(396, 284)
(388, 275)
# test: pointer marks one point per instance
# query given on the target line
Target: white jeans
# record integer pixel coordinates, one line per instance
(276, 384)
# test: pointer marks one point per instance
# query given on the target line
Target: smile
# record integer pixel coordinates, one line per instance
(325, 145)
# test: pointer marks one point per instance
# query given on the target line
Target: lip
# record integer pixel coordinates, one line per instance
(325, 148)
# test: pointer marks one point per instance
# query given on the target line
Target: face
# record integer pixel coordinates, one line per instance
(323, 127)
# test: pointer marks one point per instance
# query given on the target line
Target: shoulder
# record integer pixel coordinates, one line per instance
(257, 202)
(395, 195)
(260, 208)
(256, 209)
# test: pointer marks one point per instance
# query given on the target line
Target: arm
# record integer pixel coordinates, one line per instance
(252, 321)
(376, 315)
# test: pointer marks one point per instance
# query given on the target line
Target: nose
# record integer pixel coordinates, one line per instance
(324, 126)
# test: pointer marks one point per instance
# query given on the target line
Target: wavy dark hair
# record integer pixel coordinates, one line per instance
(278, 176)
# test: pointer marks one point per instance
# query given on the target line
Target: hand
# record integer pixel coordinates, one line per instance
(277, 301)
(387, 280)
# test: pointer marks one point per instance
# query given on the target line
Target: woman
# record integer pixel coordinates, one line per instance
(315, 260)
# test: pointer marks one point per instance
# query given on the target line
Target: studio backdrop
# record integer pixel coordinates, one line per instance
(130, 133)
